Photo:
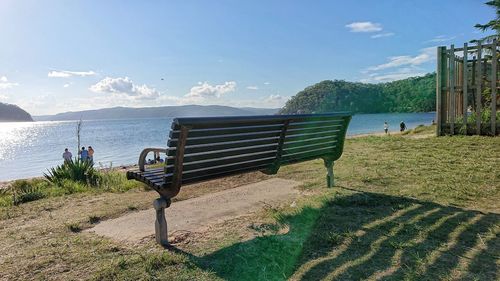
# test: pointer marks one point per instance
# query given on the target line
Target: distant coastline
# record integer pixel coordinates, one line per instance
(13, 113)
(119, 113)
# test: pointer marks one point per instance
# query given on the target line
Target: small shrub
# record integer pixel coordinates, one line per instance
(77, 170)
(22, 191)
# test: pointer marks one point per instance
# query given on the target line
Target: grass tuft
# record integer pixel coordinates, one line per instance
(74, 227)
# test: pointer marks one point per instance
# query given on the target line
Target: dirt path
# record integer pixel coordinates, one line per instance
(197, 213)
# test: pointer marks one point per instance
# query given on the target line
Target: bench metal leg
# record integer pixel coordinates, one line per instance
(161, 230)
(329, 176)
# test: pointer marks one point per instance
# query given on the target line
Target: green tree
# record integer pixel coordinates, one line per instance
(493, 24)
(414, 94)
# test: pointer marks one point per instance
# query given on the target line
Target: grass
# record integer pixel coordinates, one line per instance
(27, 190)
(404, 208)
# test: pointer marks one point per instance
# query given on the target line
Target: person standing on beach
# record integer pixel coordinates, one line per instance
(386, 128)
(67, 156)
(402, 126)
(84, 154)
(91, 154)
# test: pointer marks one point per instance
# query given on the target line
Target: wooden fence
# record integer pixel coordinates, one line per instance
(466, 90)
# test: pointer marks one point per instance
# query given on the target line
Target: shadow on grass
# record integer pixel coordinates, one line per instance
(367, 236)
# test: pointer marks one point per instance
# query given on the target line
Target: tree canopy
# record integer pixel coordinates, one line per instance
(415, 94)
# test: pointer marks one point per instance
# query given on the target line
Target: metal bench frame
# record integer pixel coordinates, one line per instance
(168, 180)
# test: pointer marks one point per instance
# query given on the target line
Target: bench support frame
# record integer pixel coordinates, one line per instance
(161, 229)
(329, 176)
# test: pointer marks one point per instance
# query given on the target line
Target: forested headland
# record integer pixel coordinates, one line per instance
(414, 94)
(13, 113)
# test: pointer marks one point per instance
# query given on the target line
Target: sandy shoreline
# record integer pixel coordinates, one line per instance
(124, 168)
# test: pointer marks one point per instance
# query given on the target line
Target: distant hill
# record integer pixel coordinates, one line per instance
(13, 113)
(415, 94)
(157, 112)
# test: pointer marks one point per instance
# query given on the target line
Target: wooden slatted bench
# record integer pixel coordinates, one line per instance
(202, 149)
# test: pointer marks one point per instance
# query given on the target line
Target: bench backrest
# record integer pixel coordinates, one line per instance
(206, 148)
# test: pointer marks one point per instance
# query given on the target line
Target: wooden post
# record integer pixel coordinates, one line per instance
(494, 87)
(464, 88)
(440, 78)
(479, 81)
(451, 76)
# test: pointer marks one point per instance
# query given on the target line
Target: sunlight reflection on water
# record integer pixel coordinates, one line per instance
(28, 149)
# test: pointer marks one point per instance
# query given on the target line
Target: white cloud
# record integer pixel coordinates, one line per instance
(380, 35)
(66, 85)
(3, 97)
(364, 26)
(124, 87)
(5, 84)
(252, 88)
(275, 101)
(400, 67)
(388, 77)
(425, 55)
(440, 38)
(67, 73)
(267, 83)
(206, 91)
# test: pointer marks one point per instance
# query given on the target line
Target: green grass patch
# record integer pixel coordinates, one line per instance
(404, 208)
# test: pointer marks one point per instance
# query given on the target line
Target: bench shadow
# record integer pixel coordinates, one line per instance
(366, 236)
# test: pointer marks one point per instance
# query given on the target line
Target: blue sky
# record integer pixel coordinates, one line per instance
(58, 56)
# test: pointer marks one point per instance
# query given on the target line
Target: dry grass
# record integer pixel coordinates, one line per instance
(403, 209)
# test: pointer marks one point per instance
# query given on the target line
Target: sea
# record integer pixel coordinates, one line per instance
(28, 149)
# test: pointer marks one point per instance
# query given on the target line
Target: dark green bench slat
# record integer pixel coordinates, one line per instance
(226, 138)
(331, 133)
(300, 143)
(227, 131)
(222, 169)
(224, 161)
(225, 153)
(256, 136)
(227, 135)
(225, 122)
(310, 130)
(152, 171)
(306, 154)
(249, 129)
(152, 181)
(228, 172)
(307, 148)
(223, 146)
(224, 174)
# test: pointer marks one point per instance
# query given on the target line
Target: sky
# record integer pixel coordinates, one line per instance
(59, 56)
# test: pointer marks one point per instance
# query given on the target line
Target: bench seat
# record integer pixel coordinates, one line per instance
(200, 149)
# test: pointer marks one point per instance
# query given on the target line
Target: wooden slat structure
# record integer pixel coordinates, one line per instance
(466, 90)
(206, 148)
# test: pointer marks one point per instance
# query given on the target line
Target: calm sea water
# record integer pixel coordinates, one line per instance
(28, 149)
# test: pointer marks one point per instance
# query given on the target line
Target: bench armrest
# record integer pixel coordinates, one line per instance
(144, 153)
